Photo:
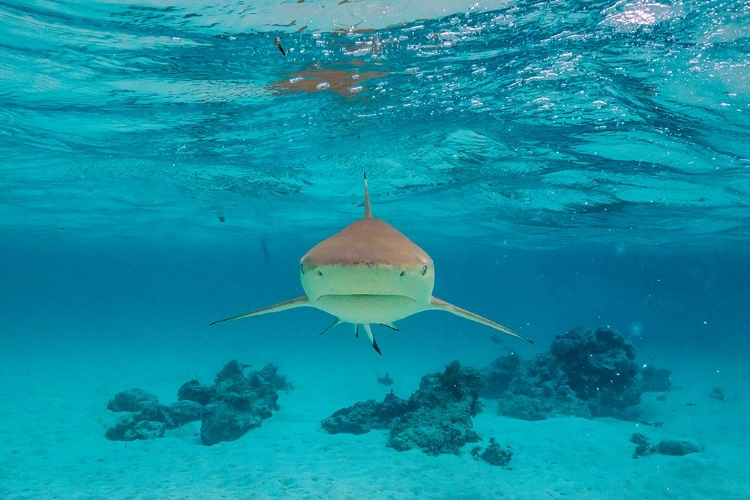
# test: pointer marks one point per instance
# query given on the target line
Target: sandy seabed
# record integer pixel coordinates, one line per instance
(54, 417)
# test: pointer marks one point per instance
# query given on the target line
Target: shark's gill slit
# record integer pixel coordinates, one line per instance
(358, 288)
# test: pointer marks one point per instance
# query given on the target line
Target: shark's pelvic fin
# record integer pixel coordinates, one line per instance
(283, 306)
(390, 325)
(371, 337)
(441, 305)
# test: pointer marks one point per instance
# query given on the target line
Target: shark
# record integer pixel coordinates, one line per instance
(369, 273)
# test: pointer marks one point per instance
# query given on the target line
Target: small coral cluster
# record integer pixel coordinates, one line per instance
(493, 454)
(437, 418)
(441, 419)
(584, 374)
(671, 447)
(149, 419)
(365, 416)
(233, 405)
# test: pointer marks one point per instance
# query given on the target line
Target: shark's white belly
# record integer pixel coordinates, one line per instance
(368, 293)
(361, 309)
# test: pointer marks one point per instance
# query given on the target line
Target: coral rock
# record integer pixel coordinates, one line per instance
(497, 377)
(362, 417)
(240, 402)
(183, 412)
(194, 391)
(227, 422)
(227, 410)
(131, 400)
(441, 423)
(584, 374)
(643, 445)
(130, 429)
(600, 367)
(493, 454)
(434, 432)
(669, 447)
(677, 448)
(435, 419)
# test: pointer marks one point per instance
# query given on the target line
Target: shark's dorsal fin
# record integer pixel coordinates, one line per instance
(368, 212)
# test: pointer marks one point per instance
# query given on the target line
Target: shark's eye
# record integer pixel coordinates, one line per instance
(402, 273)
(424, 269)
(320, 273)
(302, 268)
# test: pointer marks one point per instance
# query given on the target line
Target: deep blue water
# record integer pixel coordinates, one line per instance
(564, 163)
(548, 150)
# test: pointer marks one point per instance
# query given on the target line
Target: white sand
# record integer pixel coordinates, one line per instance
(53, 421)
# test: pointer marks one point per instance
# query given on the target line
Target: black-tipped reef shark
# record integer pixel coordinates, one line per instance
(369, 273)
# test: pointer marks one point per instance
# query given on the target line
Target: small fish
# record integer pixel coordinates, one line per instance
(387, 380)
(278, 44)
(495, 339)
(652, 424)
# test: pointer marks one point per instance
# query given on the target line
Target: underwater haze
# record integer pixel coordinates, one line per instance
(579, 171)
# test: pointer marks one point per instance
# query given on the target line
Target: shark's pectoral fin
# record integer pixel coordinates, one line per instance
(371, 338)
(283, 306)
(441, 305)
(332, 325)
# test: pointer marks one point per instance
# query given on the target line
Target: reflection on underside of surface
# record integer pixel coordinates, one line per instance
(347, 83)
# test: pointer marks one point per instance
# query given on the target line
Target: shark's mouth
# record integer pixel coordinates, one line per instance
(367, 308)
(370, 295)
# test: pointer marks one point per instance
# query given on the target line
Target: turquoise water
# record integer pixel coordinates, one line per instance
(564, 163)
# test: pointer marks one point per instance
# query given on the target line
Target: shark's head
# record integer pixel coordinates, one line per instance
(371, 265)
